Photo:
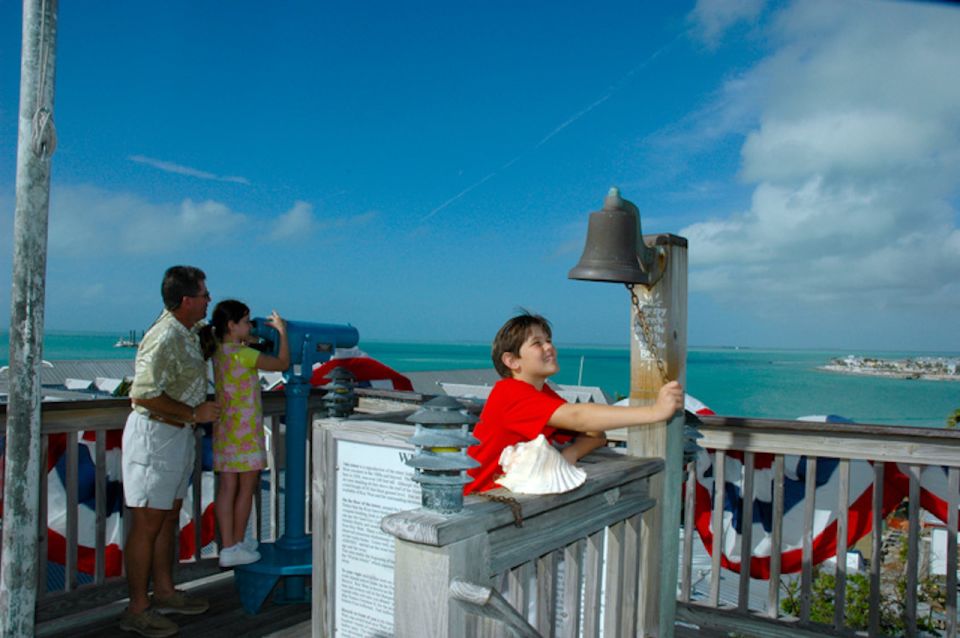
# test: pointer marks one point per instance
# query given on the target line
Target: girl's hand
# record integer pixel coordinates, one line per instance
(276, 322)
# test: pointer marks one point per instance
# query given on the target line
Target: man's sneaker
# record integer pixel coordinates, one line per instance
(180, 603)
(148, 623)
(237, 555)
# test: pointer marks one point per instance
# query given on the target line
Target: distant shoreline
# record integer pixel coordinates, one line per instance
(926, 369)
(890, 374)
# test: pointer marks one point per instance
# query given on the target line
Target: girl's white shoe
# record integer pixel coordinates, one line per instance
(237, 555)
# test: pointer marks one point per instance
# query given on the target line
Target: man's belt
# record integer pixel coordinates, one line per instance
(173, 422)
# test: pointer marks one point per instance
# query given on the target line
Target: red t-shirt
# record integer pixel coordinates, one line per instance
(514, 412)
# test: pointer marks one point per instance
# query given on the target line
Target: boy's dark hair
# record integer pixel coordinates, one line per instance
(180, 282)
(512, 335)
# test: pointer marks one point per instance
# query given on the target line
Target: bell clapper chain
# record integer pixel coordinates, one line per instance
(647, 333)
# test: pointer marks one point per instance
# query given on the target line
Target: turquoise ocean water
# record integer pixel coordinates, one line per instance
(782, 384)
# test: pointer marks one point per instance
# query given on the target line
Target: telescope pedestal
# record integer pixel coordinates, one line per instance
(290, 557)
(255, 581)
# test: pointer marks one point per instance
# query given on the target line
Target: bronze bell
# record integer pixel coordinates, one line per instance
(615, 250)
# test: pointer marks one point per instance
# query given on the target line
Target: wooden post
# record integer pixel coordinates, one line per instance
(665, 312)
(35, 144)
(423, 607)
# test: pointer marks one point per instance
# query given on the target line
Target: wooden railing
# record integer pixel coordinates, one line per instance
(478, 572)
(72, 419)
(523, 575)
(906, 450)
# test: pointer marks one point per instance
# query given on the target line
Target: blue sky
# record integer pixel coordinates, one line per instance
(422, 169)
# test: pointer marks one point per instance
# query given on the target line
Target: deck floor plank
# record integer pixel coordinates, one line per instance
(225, 619)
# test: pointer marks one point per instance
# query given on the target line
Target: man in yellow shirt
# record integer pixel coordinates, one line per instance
(169, 397)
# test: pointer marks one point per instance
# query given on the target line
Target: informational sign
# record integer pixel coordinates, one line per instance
(372, 481)
(365, 479)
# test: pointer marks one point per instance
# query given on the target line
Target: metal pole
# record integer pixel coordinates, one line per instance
(35, 144)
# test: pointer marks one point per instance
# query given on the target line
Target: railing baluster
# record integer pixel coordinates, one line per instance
(515, 590)
(547, 594)
(593, 556)
(488, 627)
(776, 539)
(197, 495)
(631, 574)
(100, 492)
(42, 543)
(746, 533)
(572, 582)
(308, 474)
(913, 552)
(257, 511)
(276, 441)
(217, 538)
(527, 571)
(70, 566)
(843, 504)
(806, 570)
(719, 463)
(686, 571)
(953, 501)
(876, 547)
(613, 592)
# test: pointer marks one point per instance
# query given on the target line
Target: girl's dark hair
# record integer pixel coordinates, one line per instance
(213, 333)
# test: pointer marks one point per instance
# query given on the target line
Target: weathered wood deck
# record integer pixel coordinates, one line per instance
(225, 619)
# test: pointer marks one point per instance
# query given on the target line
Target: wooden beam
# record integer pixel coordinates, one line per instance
(35, 144)
(658, 330)
(488, 602)
(936, 446)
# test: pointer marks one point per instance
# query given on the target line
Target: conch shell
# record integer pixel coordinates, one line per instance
(536, 467)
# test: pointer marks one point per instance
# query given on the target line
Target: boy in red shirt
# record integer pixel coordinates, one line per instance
(521, 406)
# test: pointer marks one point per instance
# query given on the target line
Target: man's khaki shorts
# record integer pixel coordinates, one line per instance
(157, 462)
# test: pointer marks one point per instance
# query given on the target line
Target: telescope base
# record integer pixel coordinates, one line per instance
(256, 581)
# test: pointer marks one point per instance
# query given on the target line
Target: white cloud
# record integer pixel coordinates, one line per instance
(179, 169)
(711, 19)
(854, 157)
(855, 142)
(299, 221)
(89, 221)
(85, 220)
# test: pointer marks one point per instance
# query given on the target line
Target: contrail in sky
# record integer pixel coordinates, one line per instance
(171, 167)
(610, 92)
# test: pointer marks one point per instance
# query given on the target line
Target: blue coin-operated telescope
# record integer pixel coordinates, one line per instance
(310, 342)
(290, 556)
